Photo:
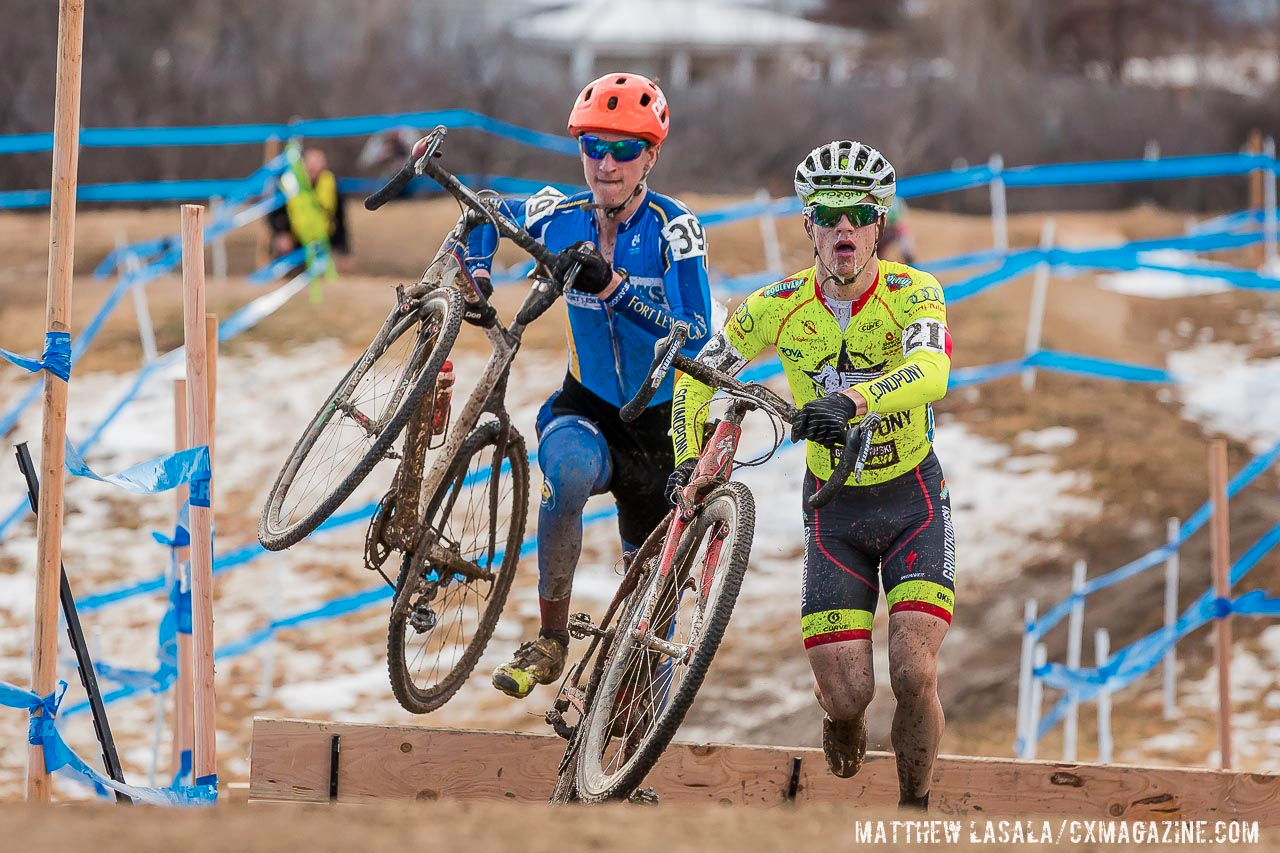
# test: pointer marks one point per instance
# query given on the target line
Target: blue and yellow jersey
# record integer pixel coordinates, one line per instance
(895, 351)
(661, 252)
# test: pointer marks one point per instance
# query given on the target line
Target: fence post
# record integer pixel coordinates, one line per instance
(1075, 635)
(1021, 737)
(1039, 297)
(62, 230)
(219, 246)
(1221, 550)
(1102, 655)
(146, 331)
(1037, 700)
(183, 698)
(769, 235)
(1170, 618)
(204, 758)
(999, 209)
(1269, 209)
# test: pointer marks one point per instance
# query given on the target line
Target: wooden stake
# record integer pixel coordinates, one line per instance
(1256, 190)
(183, 733)
(270, 149)
(1222, 589)
(62, 212)
(204, 754)
(1254, 146)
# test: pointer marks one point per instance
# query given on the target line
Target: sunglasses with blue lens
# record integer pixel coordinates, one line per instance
(860, 215)
(623, 150)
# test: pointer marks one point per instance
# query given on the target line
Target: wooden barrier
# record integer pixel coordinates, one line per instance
(292, 760)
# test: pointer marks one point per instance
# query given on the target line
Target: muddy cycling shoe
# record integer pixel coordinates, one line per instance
(538, 662)
(845, 744)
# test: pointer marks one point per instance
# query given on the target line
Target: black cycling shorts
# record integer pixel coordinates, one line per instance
(640, 454)
(899, 532)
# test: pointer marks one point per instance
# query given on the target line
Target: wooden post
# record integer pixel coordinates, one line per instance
(1222, 589)
(270, 149)
(1101, 656)
(204, 758)
(1170, 681)
(1256, 189)
(999, 205)
(1254, 146)
(1039, 297)
(62, 230)
(1075, 641)
(182, 696)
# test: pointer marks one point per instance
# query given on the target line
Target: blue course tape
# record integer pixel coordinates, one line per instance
(58, 757)
(245, 134)
(1198, 519)
(56, 358)
(186, 467)
(1143, 655)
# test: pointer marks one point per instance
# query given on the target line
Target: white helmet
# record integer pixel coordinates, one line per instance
(850, 168)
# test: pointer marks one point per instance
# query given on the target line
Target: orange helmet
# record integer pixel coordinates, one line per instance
(621, 103)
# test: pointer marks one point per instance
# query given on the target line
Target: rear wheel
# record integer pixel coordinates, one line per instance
(451, 592)
(663, 648)
(360, 420)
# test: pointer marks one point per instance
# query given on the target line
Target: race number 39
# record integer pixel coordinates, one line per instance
(925, 333)
(685, 236)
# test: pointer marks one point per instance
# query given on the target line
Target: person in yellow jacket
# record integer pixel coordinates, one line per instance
(857, 334)
(313, 213)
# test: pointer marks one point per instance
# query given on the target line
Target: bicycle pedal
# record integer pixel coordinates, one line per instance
(423, 618)
(643, 797)
(581, 626)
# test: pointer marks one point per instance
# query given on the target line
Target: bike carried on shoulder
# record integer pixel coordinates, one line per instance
(650, 653)
(458, 524)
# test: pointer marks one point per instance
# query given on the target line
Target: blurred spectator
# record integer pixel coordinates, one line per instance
(313, 211)
(896, 243)
(386, 150)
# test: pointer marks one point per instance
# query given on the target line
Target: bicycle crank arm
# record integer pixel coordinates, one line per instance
(446, 563)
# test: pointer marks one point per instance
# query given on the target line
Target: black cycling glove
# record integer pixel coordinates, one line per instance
(824, 420)
(680, 478)
(594, 273)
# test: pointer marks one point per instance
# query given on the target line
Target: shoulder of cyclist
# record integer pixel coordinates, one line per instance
(919, 307)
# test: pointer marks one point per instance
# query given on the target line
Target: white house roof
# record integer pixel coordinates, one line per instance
(668, 23)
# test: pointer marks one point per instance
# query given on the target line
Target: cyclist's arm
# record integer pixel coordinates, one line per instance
(728, 351)
(926, 347)
(530, 214)
(684, 254)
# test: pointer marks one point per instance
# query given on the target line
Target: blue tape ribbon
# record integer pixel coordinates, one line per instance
(184, 468)
(56, 358)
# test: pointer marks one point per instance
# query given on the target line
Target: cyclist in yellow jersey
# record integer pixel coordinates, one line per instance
(857, 334)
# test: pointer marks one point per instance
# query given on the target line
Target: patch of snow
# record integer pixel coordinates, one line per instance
(1223, 389)
(1050, 438)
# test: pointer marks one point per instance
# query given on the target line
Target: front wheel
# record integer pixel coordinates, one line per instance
(663, 648)
(451, 591)
(360, 420)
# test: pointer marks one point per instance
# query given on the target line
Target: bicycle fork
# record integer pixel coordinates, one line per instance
(715, 466)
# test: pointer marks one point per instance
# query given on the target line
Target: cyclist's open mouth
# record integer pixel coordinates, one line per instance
(844, 249)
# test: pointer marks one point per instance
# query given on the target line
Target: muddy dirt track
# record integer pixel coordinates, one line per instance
(500, 827)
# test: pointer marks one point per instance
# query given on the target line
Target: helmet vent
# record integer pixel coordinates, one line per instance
(620, 81)
(613, 102)
(645, 99)
(586, 96)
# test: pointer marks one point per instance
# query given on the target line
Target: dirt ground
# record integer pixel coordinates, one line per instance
(1144, 460)
(445, 825)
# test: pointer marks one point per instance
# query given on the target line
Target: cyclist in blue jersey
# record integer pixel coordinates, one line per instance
(642, 258)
